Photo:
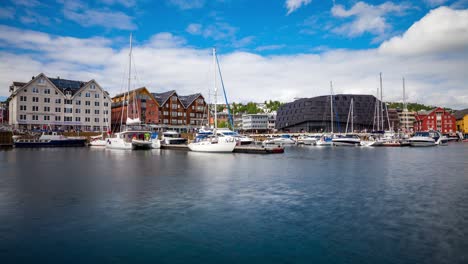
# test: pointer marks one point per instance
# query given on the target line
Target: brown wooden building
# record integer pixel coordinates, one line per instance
(146, 107)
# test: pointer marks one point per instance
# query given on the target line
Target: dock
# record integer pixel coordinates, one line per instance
(238, 149)
(6, 139)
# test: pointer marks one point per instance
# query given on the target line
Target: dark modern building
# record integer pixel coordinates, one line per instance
(313, 114)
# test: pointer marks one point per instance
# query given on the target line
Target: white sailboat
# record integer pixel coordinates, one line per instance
(348, 139)
(216, 142)
(132, 135)
(99, 141)
(327, 140)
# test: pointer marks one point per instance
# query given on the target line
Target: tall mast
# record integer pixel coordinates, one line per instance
(405, 107)
(352, 115)
(377, 109)
(215, 90)
(331, 105)
(381, 102)
(129, 72)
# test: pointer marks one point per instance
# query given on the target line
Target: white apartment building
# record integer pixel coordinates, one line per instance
(272, 121)
(255, 122)
(407, 120)
(55, 103)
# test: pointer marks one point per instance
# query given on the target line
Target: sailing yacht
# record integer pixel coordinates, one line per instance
(327, 140)
(348, 139)
(216, 142)
(133, 135)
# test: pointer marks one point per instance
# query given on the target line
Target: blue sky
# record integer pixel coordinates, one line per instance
(350, 41)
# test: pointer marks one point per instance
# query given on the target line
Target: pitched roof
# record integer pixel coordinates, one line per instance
(130, 92)
(187, 100)
(20, 84)
(460, 114)
(67, 85)
(161, 98)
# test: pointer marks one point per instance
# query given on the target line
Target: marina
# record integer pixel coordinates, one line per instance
(385, 205)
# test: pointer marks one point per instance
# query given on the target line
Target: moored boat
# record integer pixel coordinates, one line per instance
(50, 139)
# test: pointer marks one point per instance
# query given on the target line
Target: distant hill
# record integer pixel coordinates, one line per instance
(413, 107)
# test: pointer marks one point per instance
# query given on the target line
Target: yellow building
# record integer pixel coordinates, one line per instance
(462, 120)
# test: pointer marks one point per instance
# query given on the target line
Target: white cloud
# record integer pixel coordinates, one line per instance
(7, 13)
(187, 4)
(443, 30)
(269, 47)
(166, 62)
(194, 29)
(293, 5)
(87, 17)
(366, 18)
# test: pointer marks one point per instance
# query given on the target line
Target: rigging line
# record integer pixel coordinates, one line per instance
(231, 122)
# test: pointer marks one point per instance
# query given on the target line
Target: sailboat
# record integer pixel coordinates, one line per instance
(99, 141)
(133, 135)
(348, 139)
(327, 140)
(216, 142)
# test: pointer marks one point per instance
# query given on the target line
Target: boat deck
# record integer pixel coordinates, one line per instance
(237, 149)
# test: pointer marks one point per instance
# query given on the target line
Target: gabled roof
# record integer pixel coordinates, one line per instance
(187, 100)
(161, 98)
(137, 90)
(19, 84)
(460, 114)
(67, 85)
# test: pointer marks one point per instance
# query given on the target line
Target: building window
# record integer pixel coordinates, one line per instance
(88, 111)
(78, 119)
(22, 117)
(87, 102)
(35, 108)
(68, 102)
(36, 99)
(58, 118)
(58, 101)
(96, 103)
(77, 110)
(96, 112)
(78, 102)
(93, 87)
(46, 100)
(47, 91)
(35, 90)
(23, 98)
(35, 117)
(46, 118)
(58, 109)
(22, 108)
(68, 110)
(96, 120)
(96, 95)
(46, 109)
(87, 119)
(88, 94)
(68, 119)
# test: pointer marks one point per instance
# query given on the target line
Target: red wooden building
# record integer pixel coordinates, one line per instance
(438, 119)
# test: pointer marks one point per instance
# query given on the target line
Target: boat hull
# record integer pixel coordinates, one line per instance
(346, 142)
(225, 147)
(141, 144)
(50, 143)
(118, 143)
(98, 143)
(422, 144)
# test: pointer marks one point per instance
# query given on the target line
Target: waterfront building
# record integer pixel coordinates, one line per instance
(255, 122)
(313, 114)
(393, 119)
(437, 119)
(55, 103)
(139, 102)
(406, 119)
(462, 120)
(4, 112)
(272, 121)
(181, 112)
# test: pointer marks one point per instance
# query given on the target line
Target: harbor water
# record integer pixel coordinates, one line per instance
(308, 205)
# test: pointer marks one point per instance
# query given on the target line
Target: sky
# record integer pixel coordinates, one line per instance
(268, 49)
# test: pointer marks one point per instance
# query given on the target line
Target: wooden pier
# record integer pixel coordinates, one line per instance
(253, 149)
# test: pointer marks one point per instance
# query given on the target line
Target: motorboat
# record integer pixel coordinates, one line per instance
(241, 139)
(427, 139)
(132, 137)
(325, 141)
(50, 139)
(347, 140)
(307, 140)
(172, 137)
(283, 140)
(97, 141)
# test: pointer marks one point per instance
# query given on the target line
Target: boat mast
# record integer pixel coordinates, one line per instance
(352, 115)
(215, 91)
(129, 72)
(405, 107)
(377, 109)
(331, 105)
(381, 102)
